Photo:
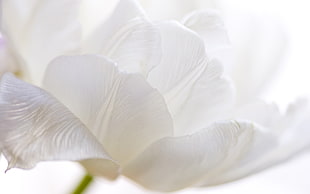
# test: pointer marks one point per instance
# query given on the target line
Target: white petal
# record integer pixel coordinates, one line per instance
(175, 163)
(127, 37)
(265, 114)
(262, 145)
(210, 99)
(121, 109)
(192, 85)
(288, 136)
(97, 167)
(39, 30)
(210, 26)
(36, 127)
(269, 115)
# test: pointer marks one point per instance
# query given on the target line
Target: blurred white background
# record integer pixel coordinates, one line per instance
(290, 82)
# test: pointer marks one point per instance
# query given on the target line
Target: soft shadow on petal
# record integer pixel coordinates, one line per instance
(127, 37)
(39, 30)
(36, 127)
(122, 110)
(175, 163)
(193, 86)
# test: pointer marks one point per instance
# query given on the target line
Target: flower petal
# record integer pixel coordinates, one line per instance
(97, 167)
(39, 30)
(192, 85)
(265, 114)
(269, 115)
(121, 109)
(210, 26)
(127, 37)
(288, 136)
(36, 127)
(210, 99)
(175, 163)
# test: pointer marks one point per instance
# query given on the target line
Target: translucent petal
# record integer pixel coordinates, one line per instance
(36, 127)
(265, 114)
(286, 135)
(210, 26)
(192, 85)
(175, 163)
(121, 109)
(270, 116)
(210, 99)
(127, 37)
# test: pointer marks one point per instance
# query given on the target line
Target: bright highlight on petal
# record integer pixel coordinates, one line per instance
(35, 127)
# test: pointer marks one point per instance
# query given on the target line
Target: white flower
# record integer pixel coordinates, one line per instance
(146, 102)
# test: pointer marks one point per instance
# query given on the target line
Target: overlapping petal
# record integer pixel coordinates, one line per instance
(36, 127)
(256, 52)
(127, 37)
(210, 26)
(193, 86)
(121, 110)
(178, 162)
(288, 135)
(39, 30)
(148, 110)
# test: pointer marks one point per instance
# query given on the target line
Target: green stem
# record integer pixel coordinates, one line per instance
(84, 183)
